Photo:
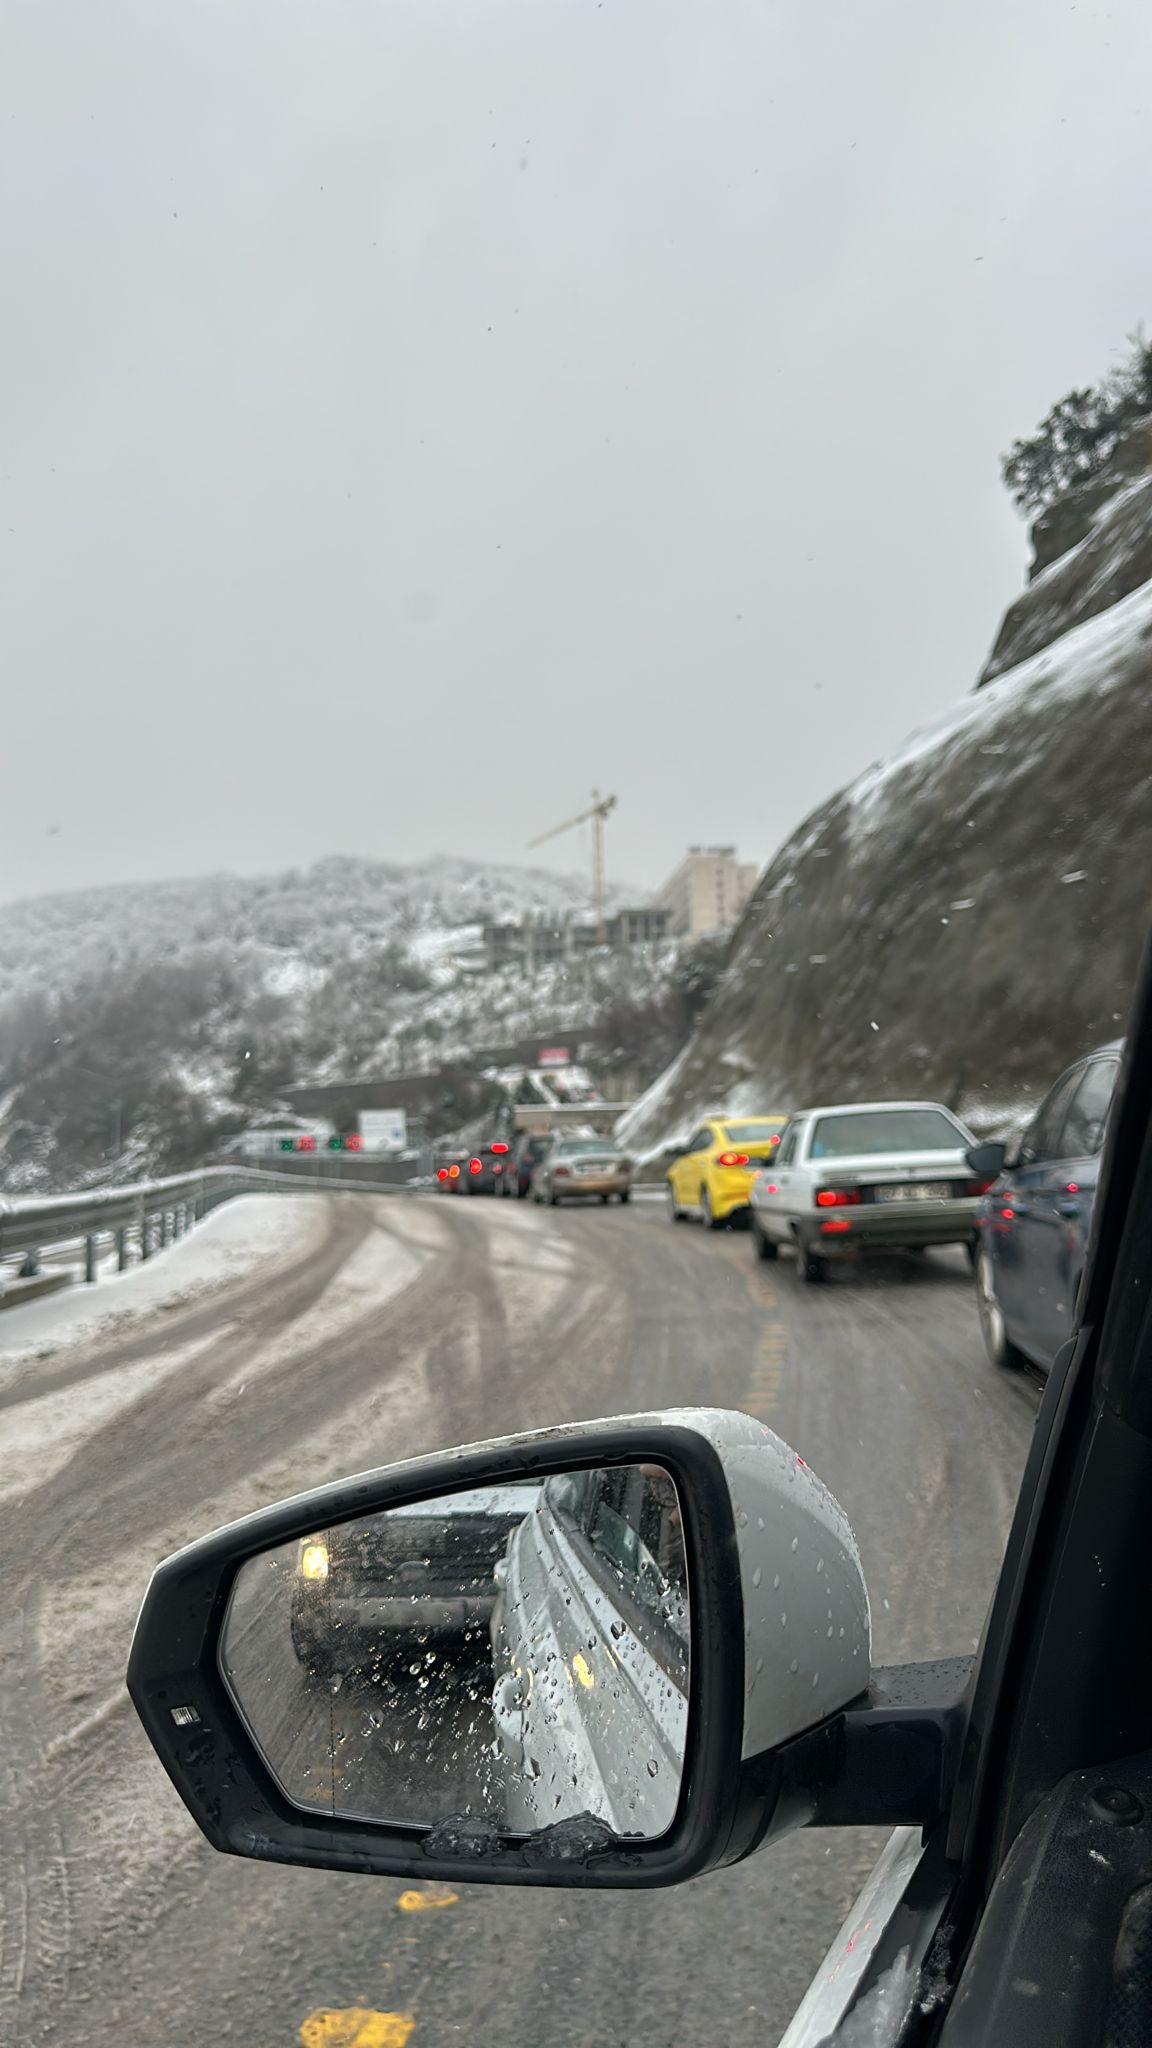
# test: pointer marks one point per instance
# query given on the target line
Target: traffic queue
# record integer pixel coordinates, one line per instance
(843, 1180)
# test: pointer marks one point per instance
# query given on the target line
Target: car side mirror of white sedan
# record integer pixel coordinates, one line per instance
(615, 1654)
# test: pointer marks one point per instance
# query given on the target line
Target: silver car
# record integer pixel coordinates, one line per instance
(590, 1644)
(582, 1167)
(855, 1177)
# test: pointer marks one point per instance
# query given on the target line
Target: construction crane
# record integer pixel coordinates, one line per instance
(598, 810)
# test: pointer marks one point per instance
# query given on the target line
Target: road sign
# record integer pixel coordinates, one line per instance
(384, 1130)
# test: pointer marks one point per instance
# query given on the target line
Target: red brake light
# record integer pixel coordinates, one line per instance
(497, 1148)
(837, 1198)
(732, 1159)
(475, 1166)
(1073, 1187)
(834, 1225)
(453, 1173)
(443, 1173)
(561, 1172)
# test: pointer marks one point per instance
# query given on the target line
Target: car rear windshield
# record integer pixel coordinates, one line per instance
(883, 1130)
(586, 1145)
(753, 1134)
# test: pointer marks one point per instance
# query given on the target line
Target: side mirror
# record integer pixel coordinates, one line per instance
(614, 1654)
(987, 1161)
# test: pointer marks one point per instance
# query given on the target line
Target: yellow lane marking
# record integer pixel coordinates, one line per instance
(355, 2026)
(763, 1391)
(424, 1901)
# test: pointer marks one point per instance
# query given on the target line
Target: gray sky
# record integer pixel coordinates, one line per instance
(417, 412)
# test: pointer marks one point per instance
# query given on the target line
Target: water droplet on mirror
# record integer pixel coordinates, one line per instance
(757, 1576)
(795, 1545)
(653, 1768)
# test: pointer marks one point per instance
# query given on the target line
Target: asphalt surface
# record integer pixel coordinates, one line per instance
(401, 1327)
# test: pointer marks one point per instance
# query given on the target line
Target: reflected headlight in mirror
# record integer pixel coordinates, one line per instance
(314, 1561)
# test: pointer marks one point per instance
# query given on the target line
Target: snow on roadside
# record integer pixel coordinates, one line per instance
(235, 1241)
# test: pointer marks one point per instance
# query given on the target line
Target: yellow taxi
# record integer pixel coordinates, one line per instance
(712, 1176)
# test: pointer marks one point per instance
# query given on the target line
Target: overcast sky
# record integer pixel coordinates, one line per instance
(419, 412)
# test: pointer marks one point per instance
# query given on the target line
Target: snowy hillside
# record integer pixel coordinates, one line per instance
(965, 918)
(294, 927)
(141, 1026)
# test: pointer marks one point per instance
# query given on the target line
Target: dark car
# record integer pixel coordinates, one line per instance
(482, 1172)
(1034, 1222)
(528, 1149)
(361, 1591)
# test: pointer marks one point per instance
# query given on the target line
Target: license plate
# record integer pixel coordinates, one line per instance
(915, 1191)
(596, 1166)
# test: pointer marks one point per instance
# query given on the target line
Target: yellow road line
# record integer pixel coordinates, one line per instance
(426, 1900)
(355, 2026)
(763, 1391)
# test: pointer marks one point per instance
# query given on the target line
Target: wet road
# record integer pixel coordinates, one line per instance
(404, 1326)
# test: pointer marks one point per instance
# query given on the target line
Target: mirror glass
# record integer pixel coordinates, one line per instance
(512, 1658)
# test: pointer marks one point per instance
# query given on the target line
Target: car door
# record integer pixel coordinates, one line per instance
(1068, 1191)
(1026, 1225)
(689, 1167)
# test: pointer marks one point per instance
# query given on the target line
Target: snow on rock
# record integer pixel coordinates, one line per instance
(232, 1243)
(961, 921)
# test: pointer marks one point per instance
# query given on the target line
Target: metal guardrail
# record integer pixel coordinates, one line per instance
(154, 1213)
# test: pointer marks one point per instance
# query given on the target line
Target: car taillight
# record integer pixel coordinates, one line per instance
(498, 1148)
(732, 1159)
(497, 1166)
(835, 1225)
(837, 1198)
(453, 1173)
(978, 1187)
(475, 1166)
(443, 1173)
(561, 1172)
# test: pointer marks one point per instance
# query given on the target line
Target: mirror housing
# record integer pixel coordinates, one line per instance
(987, 1161)
(780, 1711)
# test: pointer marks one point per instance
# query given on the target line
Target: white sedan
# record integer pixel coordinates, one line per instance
(859, 1176)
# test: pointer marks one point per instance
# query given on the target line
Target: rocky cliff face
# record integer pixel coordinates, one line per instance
(967, 917)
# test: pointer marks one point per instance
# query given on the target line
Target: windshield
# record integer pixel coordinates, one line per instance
(576, 572)
(892, 1130)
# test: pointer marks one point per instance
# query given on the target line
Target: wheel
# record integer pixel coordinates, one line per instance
(972, 1249)
(766, 1247)
(604, 1201)
(554, 1201)
(626, 1194)
(675, 1212)
(813, 1268)
(997, 1342)
(706, 1211)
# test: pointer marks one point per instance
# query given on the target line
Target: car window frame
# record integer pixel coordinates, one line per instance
(671, 1652)
(1092, 1067)
(1031, 1152)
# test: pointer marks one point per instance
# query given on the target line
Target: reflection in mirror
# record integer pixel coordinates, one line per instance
(516, 1654)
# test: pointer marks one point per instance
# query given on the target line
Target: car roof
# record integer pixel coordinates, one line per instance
(860, 1109)
(766, 1116)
